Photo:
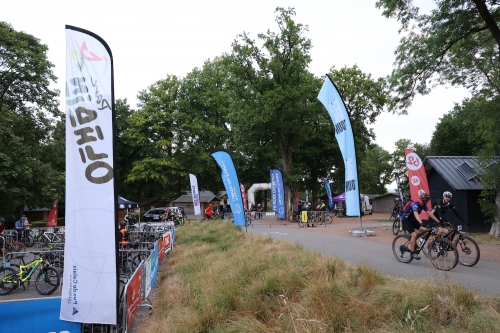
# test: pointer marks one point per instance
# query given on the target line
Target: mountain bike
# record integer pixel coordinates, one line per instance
(46, 281)
(467, 247)
(441, 252)
(397, 226)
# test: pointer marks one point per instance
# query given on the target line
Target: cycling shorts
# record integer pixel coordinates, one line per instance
(411, 226)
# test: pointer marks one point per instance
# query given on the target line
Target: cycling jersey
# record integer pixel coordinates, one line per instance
(414, 207)
(439, 207)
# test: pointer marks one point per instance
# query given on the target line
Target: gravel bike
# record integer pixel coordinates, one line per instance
(441, 252)
(467, 247)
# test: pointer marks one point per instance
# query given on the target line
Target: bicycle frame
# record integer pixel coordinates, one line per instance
(32, 266)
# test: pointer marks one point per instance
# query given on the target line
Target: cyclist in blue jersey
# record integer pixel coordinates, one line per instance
(412, 222)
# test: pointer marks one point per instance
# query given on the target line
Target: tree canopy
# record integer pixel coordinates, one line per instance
(458, 43)
(28, 117)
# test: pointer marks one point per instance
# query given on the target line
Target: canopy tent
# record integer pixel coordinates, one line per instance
(341, 197)
(126, 204)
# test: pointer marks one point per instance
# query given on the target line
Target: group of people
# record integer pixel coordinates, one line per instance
(172, 215)
(414, 224)
(212, 210)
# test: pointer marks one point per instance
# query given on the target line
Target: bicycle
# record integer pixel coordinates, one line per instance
(323, 218)
(442, 253)
(397, 226)
(46, 281)
(467, 247)
(293, 216)
(311, 221)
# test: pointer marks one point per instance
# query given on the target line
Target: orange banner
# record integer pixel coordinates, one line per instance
(52, 218)
(417, 179)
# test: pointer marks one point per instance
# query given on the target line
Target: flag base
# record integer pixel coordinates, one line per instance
(361, 232)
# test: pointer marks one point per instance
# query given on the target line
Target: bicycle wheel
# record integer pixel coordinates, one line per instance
(401, 248)
(47, 281)
(302, 224)
(395, 226)
(468, 250)
(8, 280)
(443, 254)
(248, 221)
(127, 267)
(29, 241)
(290, 218)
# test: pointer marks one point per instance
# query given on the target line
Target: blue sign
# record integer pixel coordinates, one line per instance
(278, 193)
(230, 180)
(329, 193)
(35, 315)
(334, 104)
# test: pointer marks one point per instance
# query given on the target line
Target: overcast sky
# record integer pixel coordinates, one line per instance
(152, 38)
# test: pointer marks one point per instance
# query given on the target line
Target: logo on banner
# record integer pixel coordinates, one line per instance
(196, 196)
(338, 117)
(237, 208)
(350, 184)
(413, 162)
(415, 180)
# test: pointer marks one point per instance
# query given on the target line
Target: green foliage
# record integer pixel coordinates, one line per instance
(375, 170)
(31, 161)
(457, 42)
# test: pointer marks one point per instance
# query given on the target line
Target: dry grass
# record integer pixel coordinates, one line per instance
(485, 239)
(218, 279)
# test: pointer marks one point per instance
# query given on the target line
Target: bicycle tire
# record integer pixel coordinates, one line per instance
(29, 241)
(443, 254)
(401, 249)
(302, 224)
(248, 221)
(466, 255)
(290, 217)
(47, 281)
(395, 226)
(328, 219)
(8, 280)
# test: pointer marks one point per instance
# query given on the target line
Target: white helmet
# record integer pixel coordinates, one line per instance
(447, 194)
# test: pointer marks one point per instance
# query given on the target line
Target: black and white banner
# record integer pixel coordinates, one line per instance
(89, 285)
(195, 194)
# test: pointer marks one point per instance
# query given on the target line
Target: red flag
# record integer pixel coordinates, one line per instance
(52, 218)
(244, 197)
(296, 197)
(417, 178)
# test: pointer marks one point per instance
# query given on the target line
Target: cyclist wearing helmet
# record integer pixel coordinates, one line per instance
(412, 222)
(440, 206)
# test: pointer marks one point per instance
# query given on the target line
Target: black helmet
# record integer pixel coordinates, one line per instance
(424, 196)
(2, 220)
(123, 223)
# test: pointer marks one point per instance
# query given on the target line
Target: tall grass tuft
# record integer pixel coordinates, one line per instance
(219, 279)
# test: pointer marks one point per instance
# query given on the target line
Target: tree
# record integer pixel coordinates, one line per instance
(457, 43)
(28, 113)
(275, 93)
(451, 136)
(375, 170)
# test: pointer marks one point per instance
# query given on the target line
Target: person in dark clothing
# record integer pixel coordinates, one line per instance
(441, 206)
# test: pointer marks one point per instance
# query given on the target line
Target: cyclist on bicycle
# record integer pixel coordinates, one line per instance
(439, 207)
(412, 222)
(208, 212)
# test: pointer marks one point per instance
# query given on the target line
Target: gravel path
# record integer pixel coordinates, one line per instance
(377, 222)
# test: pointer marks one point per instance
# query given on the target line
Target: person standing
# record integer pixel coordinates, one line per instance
(19, 227)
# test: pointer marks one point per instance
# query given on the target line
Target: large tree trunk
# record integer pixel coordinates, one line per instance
(495, 226)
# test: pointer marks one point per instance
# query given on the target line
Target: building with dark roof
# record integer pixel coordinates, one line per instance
(186, 201)
(460, 175)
